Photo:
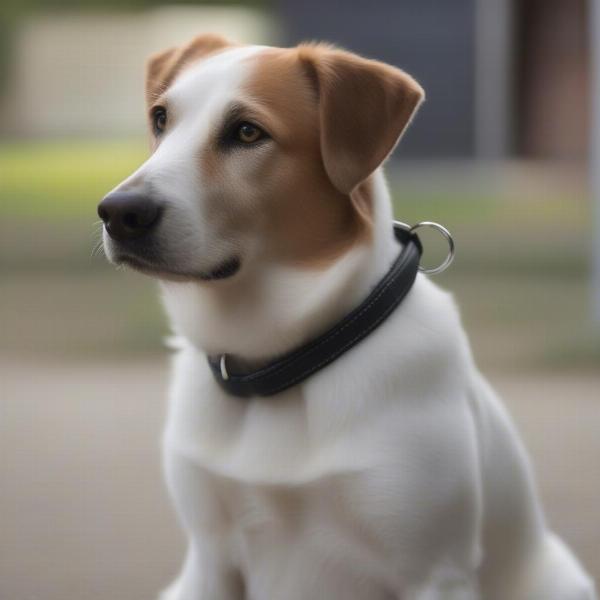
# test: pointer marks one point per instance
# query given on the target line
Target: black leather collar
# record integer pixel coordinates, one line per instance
(297, 365)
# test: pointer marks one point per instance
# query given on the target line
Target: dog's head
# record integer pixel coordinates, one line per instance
(259, 154)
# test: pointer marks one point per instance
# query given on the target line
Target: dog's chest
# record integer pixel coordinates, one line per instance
(334, 485)
(362, 531)
(319, 533)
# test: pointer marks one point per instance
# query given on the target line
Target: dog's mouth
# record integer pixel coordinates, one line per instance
(224, 270)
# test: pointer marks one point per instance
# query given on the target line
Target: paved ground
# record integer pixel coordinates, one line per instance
(83, 515)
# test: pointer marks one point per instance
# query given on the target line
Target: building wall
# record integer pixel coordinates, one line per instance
(432, 40)
(82, 74)
(502, 77)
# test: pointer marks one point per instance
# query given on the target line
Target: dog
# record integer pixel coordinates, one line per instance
(393, 472)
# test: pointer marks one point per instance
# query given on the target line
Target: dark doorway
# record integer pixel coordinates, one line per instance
(551, 60)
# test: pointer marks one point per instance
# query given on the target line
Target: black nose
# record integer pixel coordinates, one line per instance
(128, 215)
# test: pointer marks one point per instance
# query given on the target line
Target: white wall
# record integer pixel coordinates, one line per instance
(82, 74)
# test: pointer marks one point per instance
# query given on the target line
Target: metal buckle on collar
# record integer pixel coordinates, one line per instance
(445, 233)
(388, 293)
(223, 367)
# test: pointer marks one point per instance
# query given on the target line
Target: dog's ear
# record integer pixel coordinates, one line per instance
(157, 67)
(364, 106)
(163, 67)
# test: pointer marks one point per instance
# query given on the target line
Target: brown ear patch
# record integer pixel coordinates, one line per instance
(364, 105)
(309, 222)
(163, 67)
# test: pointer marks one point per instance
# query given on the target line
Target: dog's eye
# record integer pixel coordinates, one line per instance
(247, 133)
(159, 120)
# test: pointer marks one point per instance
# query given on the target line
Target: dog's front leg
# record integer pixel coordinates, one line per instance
(208, 572)
(205, 576)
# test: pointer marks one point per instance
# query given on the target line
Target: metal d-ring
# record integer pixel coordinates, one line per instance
(447, 235)
(223, 367)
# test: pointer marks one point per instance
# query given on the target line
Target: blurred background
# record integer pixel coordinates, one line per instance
(499, 153)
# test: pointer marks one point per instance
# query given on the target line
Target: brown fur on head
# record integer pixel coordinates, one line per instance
(304, 194)
(364, 107)
(335, 118)
(163, 67)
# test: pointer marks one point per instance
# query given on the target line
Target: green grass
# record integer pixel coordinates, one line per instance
(63, 179)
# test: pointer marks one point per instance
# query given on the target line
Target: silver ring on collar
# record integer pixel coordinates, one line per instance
(223, 367)
(445, 233)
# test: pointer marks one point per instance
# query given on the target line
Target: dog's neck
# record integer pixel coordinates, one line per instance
(269, 313)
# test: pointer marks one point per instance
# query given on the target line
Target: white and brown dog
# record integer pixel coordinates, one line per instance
(394, 473)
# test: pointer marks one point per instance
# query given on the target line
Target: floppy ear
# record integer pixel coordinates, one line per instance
(364, 106)
(157, 67)
(163, 67)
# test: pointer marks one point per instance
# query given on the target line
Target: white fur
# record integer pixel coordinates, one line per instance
(394, 473)
(196, 101)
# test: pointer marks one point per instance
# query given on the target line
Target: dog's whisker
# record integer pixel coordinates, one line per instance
(98, 249)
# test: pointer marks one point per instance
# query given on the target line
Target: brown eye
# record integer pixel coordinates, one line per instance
(248, 133)
(159, 120)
